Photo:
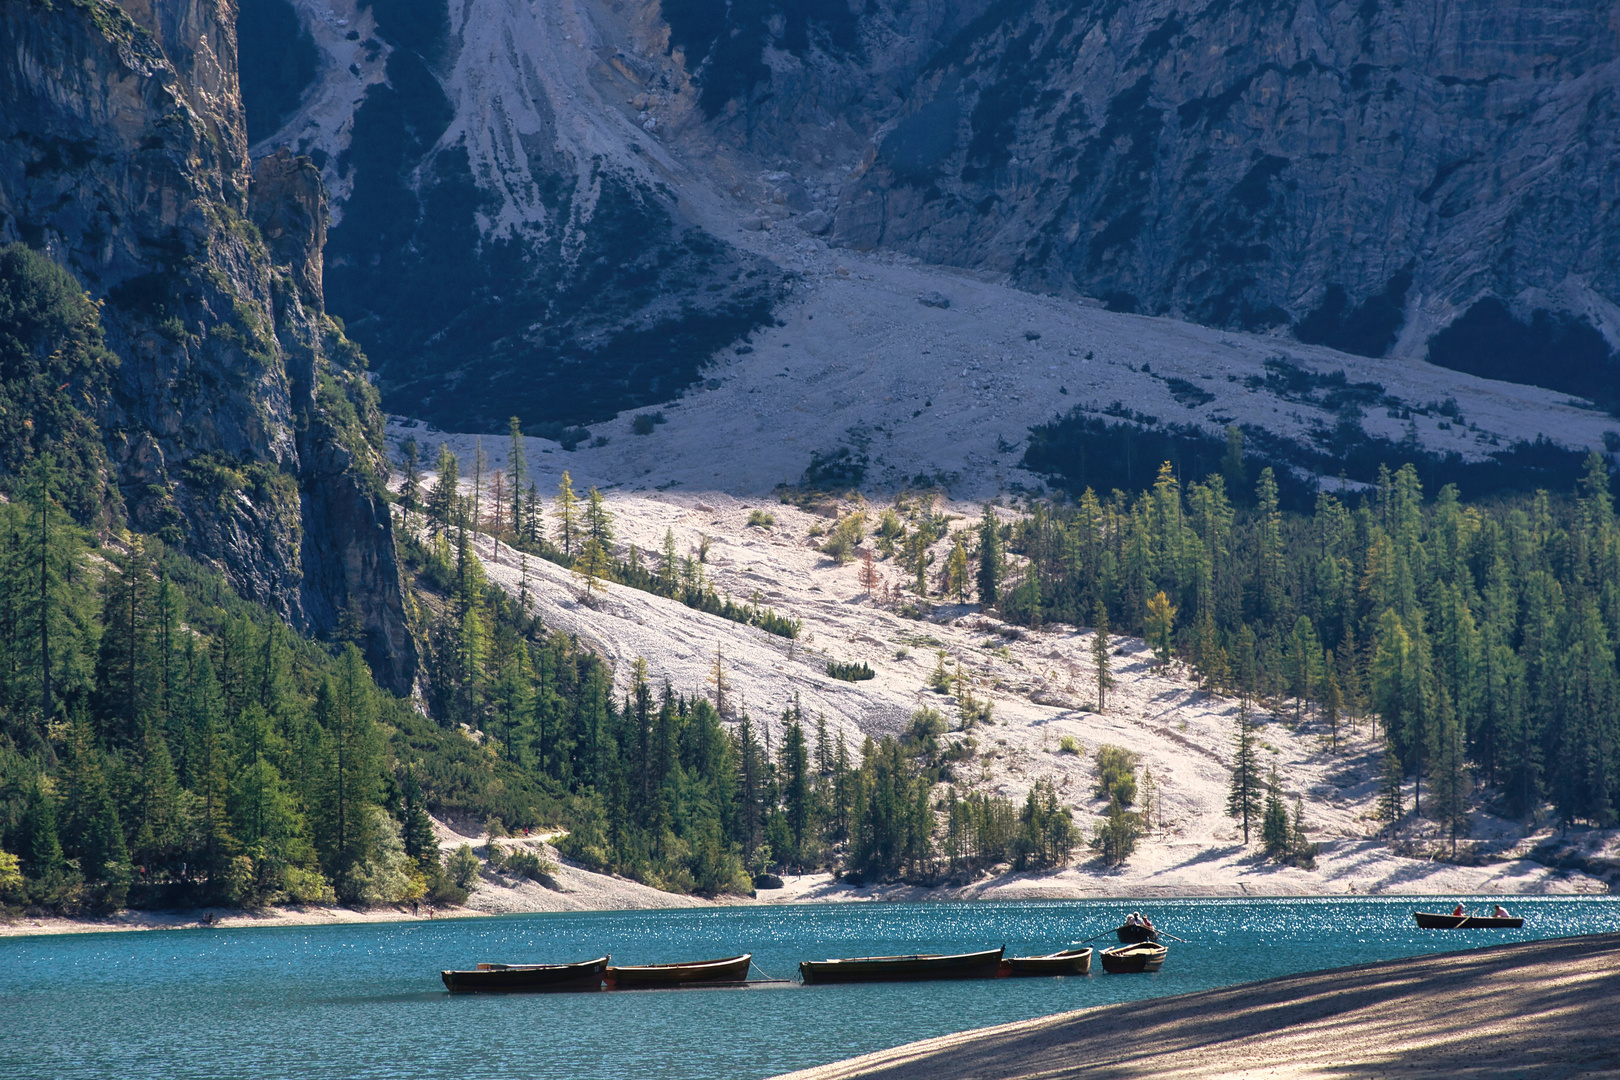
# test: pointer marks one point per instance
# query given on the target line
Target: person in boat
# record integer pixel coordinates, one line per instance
(1458, 910)
(1500, 913)
(1133, 919)
(1147, 924)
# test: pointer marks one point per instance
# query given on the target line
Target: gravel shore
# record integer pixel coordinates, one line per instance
(1541, 1009)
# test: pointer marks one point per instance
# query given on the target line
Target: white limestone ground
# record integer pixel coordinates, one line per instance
(1042, 686)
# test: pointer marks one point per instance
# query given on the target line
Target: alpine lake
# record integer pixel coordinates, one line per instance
(365, 1000)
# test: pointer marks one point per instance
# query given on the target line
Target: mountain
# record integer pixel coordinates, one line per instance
(239, 420)
(1375, 177)
(547, 210)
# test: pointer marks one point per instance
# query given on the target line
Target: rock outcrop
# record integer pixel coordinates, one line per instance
(1362, 172)
(239, 421)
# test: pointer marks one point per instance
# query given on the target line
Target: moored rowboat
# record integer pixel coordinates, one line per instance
(732, 969)
(1067, 962)
(1133, 959)
(1429, 920)
(527, 978)
(976, 965)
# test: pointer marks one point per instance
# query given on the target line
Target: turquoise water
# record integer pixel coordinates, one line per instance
(366, 1001)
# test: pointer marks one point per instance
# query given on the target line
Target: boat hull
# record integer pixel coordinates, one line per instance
(1131, 935)
(732, 969)
(527, 978)
(1068, 962)
(979, 965)
(1133, 959)
(1429, 920)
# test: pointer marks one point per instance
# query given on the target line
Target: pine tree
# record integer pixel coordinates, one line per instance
(957, 569)
(1243, 793)
(1301, 852)
(533, 530)
(345, 710)
(990, 557)
(410, 486)
(442, 498)
(1391, 776)
(1099, 653)
(1449, 781)
(517, 470)
(1274, 824)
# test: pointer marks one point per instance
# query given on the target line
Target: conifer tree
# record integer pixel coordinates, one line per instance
(533, 530)
(1099, 652)
(410, 486)
(517, 471)
(1243, 794)
(957, 568)
(566, 511)
(442, 498)
(1161, 619)
(990, 557)
(1391, 776)
(1274, 824)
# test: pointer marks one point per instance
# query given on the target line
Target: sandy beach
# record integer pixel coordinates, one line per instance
(1543, 1009)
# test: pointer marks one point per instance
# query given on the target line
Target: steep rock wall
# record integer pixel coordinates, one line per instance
(1364, 172)
(123, 155)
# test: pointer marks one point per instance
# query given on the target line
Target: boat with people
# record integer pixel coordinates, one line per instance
(1460, 920)
(1137, 927)
(729, 970)
(1133, 959)
(527, 978)
(914, 968)
(1066, 962)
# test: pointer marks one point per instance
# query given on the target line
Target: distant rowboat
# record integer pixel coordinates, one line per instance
(1067, 962)
(977, 965)
(527, 978)
(1429, 920)
(1130, 935)
(1133, 959)
(732, 969)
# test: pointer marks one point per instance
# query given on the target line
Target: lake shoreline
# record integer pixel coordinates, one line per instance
(585, 891)
(1539, 1007)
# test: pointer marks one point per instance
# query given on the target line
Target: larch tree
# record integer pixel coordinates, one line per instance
(1161, 621)
(566, 512)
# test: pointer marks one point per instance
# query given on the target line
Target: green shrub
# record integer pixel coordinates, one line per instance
(850, 672)
(532, 866)
(759, 519)
(462, 868)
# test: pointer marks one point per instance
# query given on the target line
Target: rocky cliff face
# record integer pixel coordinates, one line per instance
(238, 421)
(1363, 173)
(534, 202)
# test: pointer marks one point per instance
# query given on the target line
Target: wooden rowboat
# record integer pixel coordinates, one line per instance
(1067, 962)
(1130, 935)
(1429, 920)
(527, 978)
(976, 965)
(733, 969)
(1134, 959)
